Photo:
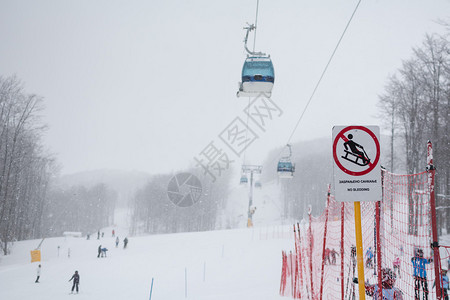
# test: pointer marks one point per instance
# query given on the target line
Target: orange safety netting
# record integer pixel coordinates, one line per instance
(315, 271)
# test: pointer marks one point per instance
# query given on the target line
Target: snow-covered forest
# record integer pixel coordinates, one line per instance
(415, 106)
(25, 169)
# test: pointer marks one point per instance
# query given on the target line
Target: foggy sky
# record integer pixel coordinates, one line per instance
(146, 85)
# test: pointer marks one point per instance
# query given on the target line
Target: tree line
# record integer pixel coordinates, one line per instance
(416, 108)
(153, 212)
(79, 208)
(28, 203)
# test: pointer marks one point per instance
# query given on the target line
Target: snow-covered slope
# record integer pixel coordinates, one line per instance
(229, 264)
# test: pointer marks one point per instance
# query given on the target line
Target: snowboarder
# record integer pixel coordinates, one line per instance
(38, 273)
(76, 281)
(99, 250)
(420, 274)
(387, 283)
(369, 260)
(125, 242)
(117, 242)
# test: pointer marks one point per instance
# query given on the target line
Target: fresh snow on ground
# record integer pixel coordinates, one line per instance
(226, 264)
(229, 264)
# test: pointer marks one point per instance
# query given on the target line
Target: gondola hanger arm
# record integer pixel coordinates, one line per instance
(249, 28)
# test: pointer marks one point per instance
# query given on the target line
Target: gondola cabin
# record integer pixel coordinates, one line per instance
(244, 179)
(257, 77)
(285, 169)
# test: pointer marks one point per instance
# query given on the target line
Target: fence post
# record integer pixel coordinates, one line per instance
(151, 290)
(185, 283)
(437, 260)
(283, 270)
(294, 288)
(296, 263)
(324, 241)
(300, 261)
(342, 249)
(378, 244)
(311, 244)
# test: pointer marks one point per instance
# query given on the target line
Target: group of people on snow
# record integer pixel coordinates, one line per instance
(389, 276)
(101, 253)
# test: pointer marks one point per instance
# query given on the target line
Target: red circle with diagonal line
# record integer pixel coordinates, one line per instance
(341, 135)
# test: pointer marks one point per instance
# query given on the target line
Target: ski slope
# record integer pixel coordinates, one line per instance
(229, 264)
(226, 264)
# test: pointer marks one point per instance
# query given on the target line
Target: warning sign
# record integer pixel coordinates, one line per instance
(356, 169)
(35, 255)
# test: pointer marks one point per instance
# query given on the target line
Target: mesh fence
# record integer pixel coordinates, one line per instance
(323, 263)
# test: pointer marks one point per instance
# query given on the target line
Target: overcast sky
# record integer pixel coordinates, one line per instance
(147, 85)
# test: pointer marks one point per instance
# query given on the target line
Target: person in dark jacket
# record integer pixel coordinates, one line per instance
(125, 242)
(99, 250)
(420, 273)
(76, 280)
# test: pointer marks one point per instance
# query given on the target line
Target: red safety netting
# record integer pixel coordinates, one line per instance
(322, 265)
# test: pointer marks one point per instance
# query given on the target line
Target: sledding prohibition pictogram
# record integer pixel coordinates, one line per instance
(349, 150)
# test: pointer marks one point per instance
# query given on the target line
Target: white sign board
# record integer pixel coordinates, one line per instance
(356, 163)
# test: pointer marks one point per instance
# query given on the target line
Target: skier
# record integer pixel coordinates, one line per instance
(99, 250)
(104, 251)
(396, 264)
(38, 273)
(76, 281)
(369, 260)
(117, 242)
(98, 235)
(125, 242)
(327, 256)
(113, 233)
(389, 292)
(420, 274)
(444, 283)
(333, 256)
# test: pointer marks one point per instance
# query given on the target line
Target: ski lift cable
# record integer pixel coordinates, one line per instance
(323, 72)
(256, 25)
(254, 44)
(320, 78)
